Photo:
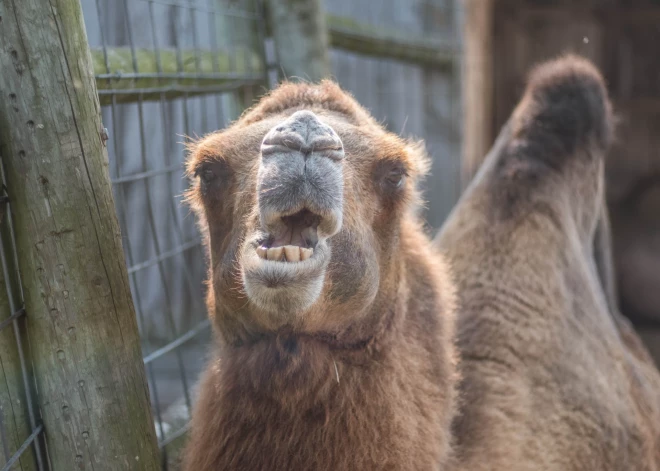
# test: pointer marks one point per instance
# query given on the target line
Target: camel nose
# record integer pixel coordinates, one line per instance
(305, 133)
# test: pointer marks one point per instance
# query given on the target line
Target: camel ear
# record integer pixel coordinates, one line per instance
(418, 159)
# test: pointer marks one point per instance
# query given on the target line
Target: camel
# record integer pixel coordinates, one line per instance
(342, 342)
(553, 377)
(332, 311)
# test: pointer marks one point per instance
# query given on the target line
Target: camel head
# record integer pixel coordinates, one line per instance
(301, 202)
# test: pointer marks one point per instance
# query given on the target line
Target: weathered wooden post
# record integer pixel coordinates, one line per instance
(300, 34)
(478, 85)
(92, 393)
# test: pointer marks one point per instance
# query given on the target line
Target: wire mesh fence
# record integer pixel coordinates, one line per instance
(168, 70)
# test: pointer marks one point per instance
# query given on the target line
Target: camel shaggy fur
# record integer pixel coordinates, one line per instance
(341, 360)
(553, 378)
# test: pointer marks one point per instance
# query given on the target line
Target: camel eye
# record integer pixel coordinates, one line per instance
(214, 177)
(390, 176)
(396, 177)
(205, 172)
(206, 175)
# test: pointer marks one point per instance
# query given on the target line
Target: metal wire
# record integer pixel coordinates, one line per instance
(16, 456)
(18, 315)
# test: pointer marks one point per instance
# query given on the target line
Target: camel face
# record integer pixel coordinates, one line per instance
(300, 202)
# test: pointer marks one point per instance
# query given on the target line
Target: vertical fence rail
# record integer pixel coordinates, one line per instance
(300, 35)
(77, 312)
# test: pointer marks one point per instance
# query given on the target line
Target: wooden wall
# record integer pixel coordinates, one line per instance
(622, 37)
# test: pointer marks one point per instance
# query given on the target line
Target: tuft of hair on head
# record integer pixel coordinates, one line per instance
(325, 94)
(565, 107)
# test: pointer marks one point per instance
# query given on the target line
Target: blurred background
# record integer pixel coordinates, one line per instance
(446, 71)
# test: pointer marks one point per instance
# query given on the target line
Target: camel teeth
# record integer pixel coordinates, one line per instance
(305, 253)
(292, 253)
(275, 253)
(287, 253)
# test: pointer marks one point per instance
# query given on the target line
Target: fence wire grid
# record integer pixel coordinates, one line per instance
(168, 70)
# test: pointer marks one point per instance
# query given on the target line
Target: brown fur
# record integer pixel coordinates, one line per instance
(553, 378)
(364, 380)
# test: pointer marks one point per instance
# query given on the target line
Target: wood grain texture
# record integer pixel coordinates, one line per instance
(83, 337)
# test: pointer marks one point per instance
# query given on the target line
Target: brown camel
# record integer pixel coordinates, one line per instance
(553, 378)
(332, 312)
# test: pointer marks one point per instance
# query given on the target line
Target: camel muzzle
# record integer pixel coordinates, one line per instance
(301, 172)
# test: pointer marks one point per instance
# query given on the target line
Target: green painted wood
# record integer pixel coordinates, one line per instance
(83, 337)
(166, 71)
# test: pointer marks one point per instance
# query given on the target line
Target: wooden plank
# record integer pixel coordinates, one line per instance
(385, 43)
(83, 337)
(478, 88)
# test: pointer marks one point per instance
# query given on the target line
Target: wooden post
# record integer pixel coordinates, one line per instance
(478, 85)
(92, 393)
(301, 38)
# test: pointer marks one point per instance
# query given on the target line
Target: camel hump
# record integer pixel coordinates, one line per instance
(565, 108)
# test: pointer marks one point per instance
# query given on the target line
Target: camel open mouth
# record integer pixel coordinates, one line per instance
(284, 269)
(296, 242)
